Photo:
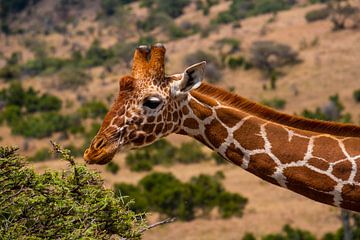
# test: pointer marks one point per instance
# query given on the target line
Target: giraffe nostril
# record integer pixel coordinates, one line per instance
(99, 143)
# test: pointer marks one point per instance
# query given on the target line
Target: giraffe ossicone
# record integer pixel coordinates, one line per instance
(316, 159)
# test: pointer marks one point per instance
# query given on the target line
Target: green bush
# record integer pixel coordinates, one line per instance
(44, 103)
(41, 155)
(93, 109)
(332, 111)
(10, 72)
(190, 152)
(206, 191)
(231, 204)
(172, 8)
(316, 15)
(356, 95)
(60, 205)
(160, 152)
(240, 9)
(96, 55)
(11, 114)
(289, 233)
(128, 193)
(275, 102)
(163, 193)
(167, 195)
(41, 125)
(112, 167)
(72, 78)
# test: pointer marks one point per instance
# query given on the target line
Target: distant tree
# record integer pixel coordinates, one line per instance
(340, 12)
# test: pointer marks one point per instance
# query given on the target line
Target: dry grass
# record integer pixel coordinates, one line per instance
(328, 68)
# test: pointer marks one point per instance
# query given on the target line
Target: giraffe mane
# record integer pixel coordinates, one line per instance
(266, 113)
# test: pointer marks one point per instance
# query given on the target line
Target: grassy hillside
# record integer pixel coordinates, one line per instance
(75, 51)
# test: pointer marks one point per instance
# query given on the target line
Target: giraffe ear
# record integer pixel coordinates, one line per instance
(191, 79)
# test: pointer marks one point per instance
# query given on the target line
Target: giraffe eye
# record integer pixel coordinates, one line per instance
(152, 102)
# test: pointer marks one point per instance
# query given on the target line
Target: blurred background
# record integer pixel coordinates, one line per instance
(60, 62)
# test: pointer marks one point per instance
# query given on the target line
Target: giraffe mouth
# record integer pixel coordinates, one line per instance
(100, 158)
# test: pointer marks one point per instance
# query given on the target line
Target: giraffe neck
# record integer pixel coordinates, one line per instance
(319, 166)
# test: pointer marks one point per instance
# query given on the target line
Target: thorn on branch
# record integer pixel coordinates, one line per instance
(166, 221)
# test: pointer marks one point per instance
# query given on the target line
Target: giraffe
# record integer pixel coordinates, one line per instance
(319, 160)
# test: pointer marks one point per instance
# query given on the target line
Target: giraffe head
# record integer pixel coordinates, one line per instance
(147, 107)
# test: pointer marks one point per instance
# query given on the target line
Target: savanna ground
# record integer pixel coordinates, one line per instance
(328, 67)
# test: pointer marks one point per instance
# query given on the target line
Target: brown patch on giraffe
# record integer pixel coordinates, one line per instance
(233, 154)
(306, 182)
(169, 126)
(319, 164)
(261, 165)
(342, 170)
(150, 138)
(199, 110)
(175, 116)
(139, 140)
(185, 110)
(191, 123)
(158, 128)
(216, 133)
(128, 114)
(119, 121)
(148, 128)
(227, 116)
(151, 119)
(169, 116)
(287, 151)
(248, 135)
(351, 197)
(327, 148)
(352, 146)
(159, 118)
(202, 140)
(303, 177)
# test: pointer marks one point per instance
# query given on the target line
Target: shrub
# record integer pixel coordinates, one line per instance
(289, 233)
(231, 204)
(129, 193)
(206, 190)
(93, 109)
(163, 193)
(41, 125)
(41, 155)
(168, 195)
(268, 56)
(316, 15)
(44, 103)
(160, 152)
(112, 167)
(109, 7)
(96, 55)
(332, 111)
(190, 152)
(276, 103)
(240, 9)
(10, 72)
(59, 205)
(340, 12)
(356, 95)
(172, 8)
(72, 78)
(11, 114)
